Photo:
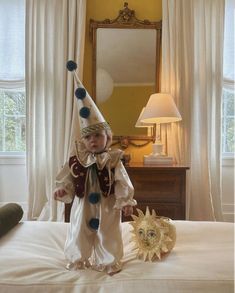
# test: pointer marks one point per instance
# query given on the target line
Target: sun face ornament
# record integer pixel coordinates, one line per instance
(153, 236)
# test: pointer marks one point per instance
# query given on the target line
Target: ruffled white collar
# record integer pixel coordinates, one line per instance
(106, 158)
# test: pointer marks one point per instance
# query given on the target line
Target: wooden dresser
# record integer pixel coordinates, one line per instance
(162, 188)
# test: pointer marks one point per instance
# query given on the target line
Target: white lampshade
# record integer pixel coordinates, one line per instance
(104, 88)
(142, 124)
(160, 108)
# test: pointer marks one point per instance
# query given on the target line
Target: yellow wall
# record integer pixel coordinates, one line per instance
(101, 9)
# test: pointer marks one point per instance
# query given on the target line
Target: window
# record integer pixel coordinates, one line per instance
(12, 75)
(228, 84)
(228, 122)
(12, 120)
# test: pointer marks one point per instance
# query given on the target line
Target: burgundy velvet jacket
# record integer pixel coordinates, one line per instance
(79, 174)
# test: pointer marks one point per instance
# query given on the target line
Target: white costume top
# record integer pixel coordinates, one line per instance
(101, 247)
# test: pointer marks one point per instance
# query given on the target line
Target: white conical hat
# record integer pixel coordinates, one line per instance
(90, 117)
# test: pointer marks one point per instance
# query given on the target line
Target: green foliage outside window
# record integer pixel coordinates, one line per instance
(12, 121)
(228, 122)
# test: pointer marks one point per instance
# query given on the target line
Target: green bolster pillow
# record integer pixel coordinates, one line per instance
(10, 215)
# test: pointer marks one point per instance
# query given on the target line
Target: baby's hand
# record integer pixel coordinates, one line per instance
(127, 210)
(59, 193)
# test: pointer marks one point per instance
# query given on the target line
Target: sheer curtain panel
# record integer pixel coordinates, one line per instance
(192, 60)
(55, 32)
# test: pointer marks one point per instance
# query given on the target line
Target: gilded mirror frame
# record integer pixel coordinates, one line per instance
(126, 19)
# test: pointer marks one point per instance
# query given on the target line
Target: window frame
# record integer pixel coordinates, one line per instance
(15, 82)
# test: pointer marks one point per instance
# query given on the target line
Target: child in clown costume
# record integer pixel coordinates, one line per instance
(95, 179)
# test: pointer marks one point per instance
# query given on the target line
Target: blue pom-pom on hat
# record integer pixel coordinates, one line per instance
(94, 223)
(84, 112)
(71, 65)
(80, 93)
(94, 197)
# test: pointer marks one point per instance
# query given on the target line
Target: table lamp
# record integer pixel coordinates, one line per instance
(160, 109)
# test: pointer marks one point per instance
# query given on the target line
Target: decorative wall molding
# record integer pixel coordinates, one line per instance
(228, 212)
(12, 160)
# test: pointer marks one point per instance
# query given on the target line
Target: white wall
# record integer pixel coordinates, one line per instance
(228, 189)
(13, 181)
(13, 184)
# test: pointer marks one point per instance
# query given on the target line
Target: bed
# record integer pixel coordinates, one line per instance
(32, 260)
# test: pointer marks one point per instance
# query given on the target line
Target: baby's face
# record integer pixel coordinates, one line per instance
(96, 142)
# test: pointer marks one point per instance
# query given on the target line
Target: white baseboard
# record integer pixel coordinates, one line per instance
(24, 206)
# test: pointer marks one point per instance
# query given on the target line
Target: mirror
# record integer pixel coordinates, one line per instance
(125, 71)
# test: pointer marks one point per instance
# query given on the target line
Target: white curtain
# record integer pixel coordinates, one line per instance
(55, 33)
(192, 60)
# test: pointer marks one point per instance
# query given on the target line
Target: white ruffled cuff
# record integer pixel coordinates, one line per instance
(66, 198)
(122, 202)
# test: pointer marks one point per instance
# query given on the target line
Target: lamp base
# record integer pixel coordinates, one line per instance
(157, 156)
(158, 160)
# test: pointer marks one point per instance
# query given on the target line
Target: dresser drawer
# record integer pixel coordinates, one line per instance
(161, 188)
(158, 186)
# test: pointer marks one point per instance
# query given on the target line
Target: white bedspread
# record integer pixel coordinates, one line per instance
(32, 260)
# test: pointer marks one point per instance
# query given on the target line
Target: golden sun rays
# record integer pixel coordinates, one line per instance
(153, 236)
